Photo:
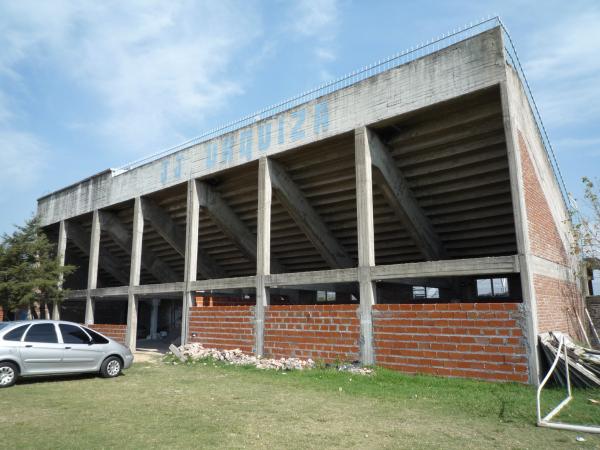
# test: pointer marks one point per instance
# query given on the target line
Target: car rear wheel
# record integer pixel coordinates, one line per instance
(8, 374)
(111, 367)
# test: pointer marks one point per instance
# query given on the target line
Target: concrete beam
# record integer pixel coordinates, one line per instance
(106, 260)
(453, 267)
(175, 236)
(119, 291)
(312, 277)
(551, 269)
(224, 283)
(309, 221)
(150, 261)
(76, 294)
(230, 224)
(399, 196)
(164, 289)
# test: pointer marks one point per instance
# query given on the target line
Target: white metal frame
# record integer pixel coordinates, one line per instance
(546, 420)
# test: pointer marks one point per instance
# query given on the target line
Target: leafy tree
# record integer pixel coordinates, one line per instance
(30, 272)
(587, 225)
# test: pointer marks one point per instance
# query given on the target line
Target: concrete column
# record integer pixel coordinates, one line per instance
(93, 267)
(154, 318)
(366, 242)
(522, 233)
(137, 235)
(263, 251)
(61, 251)
(191, 253)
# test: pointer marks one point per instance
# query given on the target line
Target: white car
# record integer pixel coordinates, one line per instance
(51, 347)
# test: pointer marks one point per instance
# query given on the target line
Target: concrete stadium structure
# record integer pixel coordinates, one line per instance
(410, 218)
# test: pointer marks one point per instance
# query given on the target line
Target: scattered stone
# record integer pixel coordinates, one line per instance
(237, 357)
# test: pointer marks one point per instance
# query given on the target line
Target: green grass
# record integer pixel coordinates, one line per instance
(206, 405)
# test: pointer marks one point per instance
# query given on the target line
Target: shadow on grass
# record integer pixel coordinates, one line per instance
(41, 379)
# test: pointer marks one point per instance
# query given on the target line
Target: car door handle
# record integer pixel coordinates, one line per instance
(29, 346)
(67, 348)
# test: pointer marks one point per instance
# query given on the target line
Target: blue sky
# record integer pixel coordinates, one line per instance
(85, 85)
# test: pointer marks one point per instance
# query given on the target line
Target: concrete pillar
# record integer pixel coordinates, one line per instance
(60, 252)
(263, 251)
(92, 267)
(154, 318)
(191, 253)
(137, 236)
(522, 233)
(366, 242)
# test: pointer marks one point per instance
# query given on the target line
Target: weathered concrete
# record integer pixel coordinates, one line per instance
(449, 268)
(366, 241)
(402, 200)
(305, 216)
(191, 252)
(60, 252)
(93, 267)
(438, 136)
(462, 68)
(263, 251)
(521, 231)
(175, 236)
(151, 262)
(137, 237)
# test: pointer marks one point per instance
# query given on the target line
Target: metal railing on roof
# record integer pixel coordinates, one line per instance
(513, 59)
(406, 56)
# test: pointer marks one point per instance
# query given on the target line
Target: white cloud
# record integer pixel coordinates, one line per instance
(317, 20)
(22, 159)
(563, 65)
(154, 67)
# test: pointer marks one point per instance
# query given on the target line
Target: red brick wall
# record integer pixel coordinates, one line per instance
(223, 327)
(543, 235)
(472, 340)
(1, 314)
(557, 302)
(321, 332)
(113, 331)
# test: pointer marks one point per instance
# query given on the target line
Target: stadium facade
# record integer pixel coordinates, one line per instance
(408, 215)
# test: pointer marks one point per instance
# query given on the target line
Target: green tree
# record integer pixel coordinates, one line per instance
(30, 273)
(587, 225)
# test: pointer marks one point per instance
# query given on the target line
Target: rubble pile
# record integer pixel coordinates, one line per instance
(237, 357)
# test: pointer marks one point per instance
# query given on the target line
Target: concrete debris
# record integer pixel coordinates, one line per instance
(356, 368)
(237, 357)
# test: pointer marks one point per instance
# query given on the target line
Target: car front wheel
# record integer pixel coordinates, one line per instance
(8, 374)
(111, 367)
